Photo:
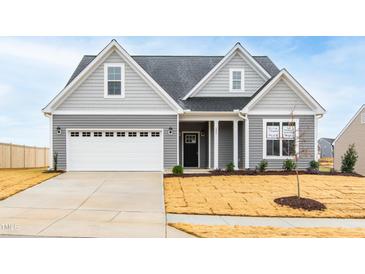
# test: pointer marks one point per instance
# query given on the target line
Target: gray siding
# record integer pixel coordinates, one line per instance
(219, 83)
(90, 94)
(211, 143)
(225, 143)
(306, 142)
(282, 97)
(116, 121)
(196, 126)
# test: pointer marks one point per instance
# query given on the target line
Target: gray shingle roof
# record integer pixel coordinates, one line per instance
(179, 74)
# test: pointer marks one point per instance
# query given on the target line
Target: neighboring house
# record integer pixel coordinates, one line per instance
(353, 133)
(325, 147)
(123, 112)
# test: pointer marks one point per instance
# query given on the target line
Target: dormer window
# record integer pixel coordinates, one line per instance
(236, 80)
(114, 80)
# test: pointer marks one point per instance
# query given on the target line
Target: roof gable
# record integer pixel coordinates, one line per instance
(91, 66)
(237, 49)
(289, 80)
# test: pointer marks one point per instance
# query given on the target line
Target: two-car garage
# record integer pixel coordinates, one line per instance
(114, 149)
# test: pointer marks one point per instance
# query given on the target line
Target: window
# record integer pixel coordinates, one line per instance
(120, 134)
(155, 134)
(74, 134)
(114, 80)
(237, 80)
(132, 134)
(86, 134)
(109, 134)
(98, 134)
(280, 138)
(190, 139)
(143, 134)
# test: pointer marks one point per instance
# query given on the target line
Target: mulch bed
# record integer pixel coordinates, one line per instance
(256, 173)
(303, 203)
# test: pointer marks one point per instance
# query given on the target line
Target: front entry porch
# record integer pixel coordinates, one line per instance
(208, 145)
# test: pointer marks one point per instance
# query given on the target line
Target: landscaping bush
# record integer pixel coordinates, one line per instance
(289, 165)
(177, 170)
(314, 165)
(263, 165)
(349, 160)
(230, 167)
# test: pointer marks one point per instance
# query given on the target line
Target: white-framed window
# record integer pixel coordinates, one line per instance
(132, 134)
(98, 134)
(109, 134)
(190, 139)
(74, 134)
(114, 80)
(143, 134)
(280, 138)
(86, 134)
(155, 134)
(120, 134)
(236, 80)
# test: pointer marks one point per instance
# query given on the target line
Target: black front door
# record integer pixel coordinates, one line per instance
(191, 151)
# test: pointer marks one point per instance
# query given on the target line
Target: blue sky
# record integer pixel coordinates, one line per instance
(34, 69)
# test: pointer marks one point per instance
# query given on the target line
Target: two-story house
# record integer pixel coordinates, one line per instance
(143, 113)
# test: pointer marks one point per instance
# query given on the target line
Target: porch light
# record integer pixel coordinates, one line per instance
(170, 131)
(202, 133)
(58, 131)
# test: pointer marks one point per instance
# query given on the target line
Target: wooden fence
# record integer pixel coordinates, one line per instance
(19, 156)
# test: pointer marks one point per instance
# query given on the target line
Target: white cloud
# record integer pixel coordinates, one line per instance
(50, 54)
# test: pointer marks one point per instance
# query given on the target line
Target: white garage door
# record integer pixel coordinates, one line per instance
(114, 150)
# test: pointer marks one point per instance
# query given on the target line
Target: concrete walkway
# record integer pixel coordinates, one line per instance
(88, 204)
(265, 221)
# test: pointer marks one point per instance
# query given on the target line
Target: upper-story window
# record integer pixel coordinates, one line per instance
(237, 80)
(114, 80)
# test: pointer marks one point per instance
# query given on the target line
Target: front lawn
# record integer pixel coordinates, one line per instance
(344, 196)
(14, 180)
(225, 231)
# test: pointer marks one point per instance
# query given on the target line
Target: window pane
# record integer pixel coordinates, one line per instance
(236, 75)
(273, 130)
(114, 88)
(288, 147)
(236, 84)
(114, 73)
(273, 148)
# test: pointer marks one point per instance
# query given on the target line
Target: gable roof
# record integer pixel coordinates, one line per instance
(177, 75)
(90, 65)
(295, 86)
(349, 123)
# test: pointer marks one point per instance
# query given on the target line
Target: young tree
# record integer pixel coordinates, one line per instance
(349, 159)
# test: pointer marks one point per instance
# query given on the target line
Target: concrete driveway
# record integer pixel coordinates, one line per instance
(89, 204)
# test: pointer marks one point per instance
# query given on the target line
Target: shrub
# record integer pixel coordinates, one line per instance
(349, 160)
(289, 165)
(230, 167)
(263, 165)
(314, 165)
(55, 161)
(177, 170)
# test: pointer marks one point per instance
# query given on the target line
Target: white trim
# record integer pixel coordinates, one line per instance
(122, 80)
(279, 112)
(216, 142)
(297, 88)
(183, 143)
(209, 144)
(178, 140)
(67, 130)
(242, 89)
(112, 112)
(349, 123)
(113, 45)
(316, 138)
(50, 152)
(210, 116)
(281, 121)
(243, 53)
(235, 144)
(247, 143)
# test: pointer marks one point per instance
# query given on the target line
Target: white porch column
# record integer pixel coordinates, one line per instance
(50, 151)
(247, 145)
(216, 139)
(235, 144)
